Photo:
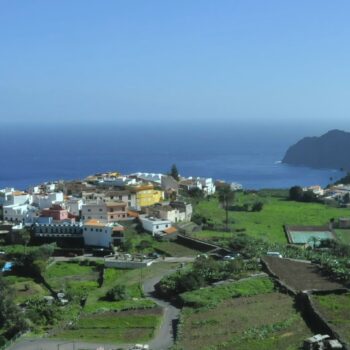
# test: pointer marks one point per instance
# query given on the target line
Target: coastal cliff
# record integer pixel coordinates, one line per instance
(330, 150)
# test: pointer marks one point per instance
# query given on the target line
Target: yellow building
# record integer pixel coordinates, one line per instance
(147, 195)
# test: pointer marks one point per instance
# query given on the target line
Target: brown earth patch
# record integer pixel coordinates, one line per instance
(300, 276)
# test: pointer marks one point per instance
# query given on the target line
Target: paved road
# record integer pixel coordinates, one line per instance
(165, 336)
(46, 344)
(163, 340)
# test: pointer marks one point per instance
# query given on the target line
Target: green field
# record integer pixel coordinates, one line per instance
(343, 236)
(25, 288)
(114, 327)
(71, 275)
(127, 321)
(211, 296)
(129, 278)
(268, 223)
(260, 322)
(336, 309)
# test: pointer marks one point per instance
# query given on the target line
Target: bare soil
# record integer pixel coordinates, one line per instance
(300, 276)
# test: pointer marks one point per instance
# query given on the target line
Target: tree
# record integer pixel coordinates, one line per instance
(117, 293)
(143, 245)
(226, 197)
(25, 236)
(257, 206)
(174, 172)
(11, 318)
(309, 197)
(296, 193)
(42, 314)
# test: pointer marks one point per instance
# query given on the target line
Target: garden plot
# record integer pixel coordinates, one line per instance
(300, 276)
(335, 308)
(266, 321)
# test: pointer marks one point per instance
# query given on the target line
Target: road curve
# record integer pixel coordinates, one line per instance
(163, 340)
(165, 336)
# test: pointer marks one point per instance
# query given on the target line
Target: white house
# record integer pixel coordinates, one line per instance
(98, 233)
(47, 200)
(112, 195)
(206, 185)
(10, 196)
(117, 181)
(317, 190)
(157, 178)
(154, 225)
(174, 211)
(20, 213)
(74, 205)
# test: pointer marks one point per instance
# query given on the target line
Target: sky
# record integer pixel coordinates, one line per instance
(244, 61)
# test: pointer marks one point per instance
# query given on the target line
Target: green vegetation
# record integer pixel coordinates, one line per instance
(72, 276)
(336, 309)
(266, 224)
(109, 327)
(265, 321)
(203, 272)
(117, 293)
(174, 249)
(25, 288)
(11, 318)
(211, 296)
(343, 236)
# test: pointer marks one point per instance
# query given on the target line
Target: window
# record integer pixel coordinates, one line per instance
(100, 209)
(120, 198)
(111, 216)
(157, 226)
(89, 209)
(129, 197)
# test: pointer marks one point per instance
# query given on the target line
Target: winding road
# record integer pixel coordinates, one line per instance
(163, 340)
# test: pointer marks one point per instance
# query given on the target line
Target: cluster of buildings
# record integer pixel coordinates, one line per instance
(333, 194)
(94, 210)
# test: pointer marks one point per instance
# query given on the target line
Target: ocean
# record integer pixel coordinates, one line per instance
(31, 154)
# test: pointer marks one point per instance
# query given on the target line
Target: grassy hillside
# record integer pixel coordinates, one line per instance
(268, 223)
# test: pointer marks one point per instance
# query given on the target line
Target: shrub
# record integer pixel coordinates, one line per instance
(117, 293)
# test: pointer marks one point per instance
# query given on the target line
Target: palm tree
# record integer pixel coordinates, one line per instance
(226, 197)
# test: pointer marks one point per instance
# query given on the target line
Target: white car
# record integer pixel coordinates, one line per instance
(276, 254)
(140, 347)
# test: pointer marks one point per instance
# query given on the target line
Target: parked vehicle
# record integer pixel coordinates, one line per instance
(277, 254)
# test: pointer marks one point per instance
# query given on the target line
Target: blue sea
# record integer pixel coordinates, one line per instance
(31, 154)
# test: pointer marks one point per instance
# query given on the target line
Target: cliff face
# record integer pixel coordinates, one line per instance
(331, 150)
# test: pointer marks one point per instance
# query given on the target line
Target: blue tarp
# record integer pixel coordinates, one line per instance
(7, 267)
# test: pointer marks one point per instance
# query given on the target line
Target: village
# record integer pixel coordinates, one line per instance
(155, 242)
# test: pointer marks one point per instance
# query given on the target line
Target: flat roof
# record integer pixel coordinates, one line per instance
(94, 222)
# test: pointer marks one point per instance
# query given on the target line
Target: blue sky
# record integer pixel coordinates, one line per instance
(113, 60)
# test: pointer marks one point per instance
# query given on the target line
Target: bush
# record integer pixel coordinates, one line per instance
(41, 313)
(117, 293)
(257, 206)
